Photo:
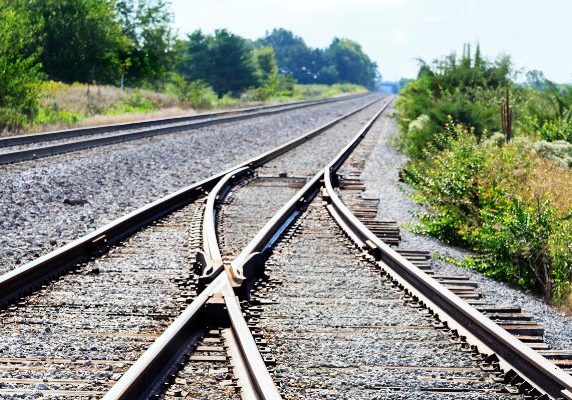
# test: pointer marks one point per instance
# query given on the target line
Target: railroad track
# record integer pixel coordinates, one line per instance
(27, 147)
(262, 323)
(91, 322)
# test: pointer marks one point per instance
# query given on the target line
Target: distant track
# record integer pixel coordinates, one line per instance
(33, 146)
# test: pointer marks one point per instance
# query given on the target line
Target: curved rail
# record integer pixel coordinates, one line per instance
(210, 258)
(247, 264)
(170, 347)
(26, 278)
(147, 372)
(143, 129)
(469, 322)
(218, 303)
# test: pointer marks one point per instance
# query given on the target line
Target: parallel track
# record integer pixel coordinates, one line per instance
(33, 146)
(217, 316)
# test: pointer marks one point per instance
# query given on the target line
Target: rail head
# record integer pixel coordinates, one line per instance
(143, 377)
(246, 264)
(259, 379)
(478, 329)
(211, 258)
(252, 256)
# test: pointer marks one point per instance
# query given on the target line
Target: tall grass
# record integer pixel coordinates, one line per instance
(69, 105)
(66, 105)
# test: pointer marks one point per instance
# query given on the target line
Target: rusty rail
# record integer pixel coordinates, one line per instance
(210, 258)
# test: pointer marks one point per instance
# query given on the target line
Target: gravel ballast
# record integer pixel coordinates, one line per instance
(381, 178)
(338, 330)
(48, 202)
(83, 331)
(250, 205)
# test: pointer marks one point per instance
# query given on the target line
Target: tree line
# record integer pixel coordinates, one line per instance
(133, 42)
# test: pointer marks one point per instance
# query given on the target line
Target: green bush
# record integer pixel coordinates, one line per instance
(52, 116)
(197, 93)
(510, 203)
(502, 202)
(200, 95)
(467, 90)
(134, 103)
(557, 129)
(20, 71)
(11, 119)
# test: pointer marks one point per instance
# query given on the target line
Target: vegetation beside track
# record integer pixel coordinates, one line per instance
(64, 105)
(504, 190)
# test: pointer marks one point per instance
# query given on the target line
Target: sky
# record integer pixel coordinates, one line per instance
(395, 33)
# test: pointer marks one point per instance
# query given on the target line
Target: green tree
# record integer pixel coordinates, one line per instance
(147, 23)
(222, 60)
(466, 90)
(293, 56)
(351, 64)
(81, 39)
(265, 64)
(342, 62)
(193, 58)
(20, 70)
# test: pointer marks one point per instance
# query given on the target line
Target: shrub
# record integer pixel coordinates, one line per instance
(53, 116)
(557, 129)
(20, 71)
(200, 95)
(134, 102)
(504, 202)
(11, 119)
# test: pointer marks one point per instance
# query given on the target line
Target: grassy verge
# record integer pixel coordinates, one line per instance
(76, 105)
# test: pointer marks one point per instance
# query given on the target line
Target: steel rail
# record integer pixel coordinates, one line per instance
(252, 256)
(167, 350)
(259, 378)
(145, 376)
(16, 283)
(210, 258)
(247, 264)
(140, 380)
(145, 129)
(458, 314)
(91, 130)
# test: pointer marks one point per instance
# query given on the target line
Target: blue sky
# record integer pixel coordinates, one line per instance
(394, 33)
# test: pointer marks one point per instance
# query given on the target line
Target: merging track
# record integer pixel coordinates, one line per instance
(271, 280)
(92, 323)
